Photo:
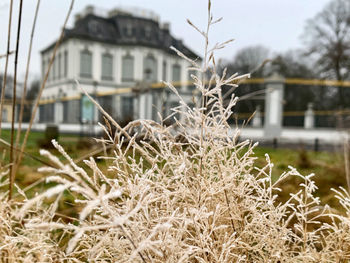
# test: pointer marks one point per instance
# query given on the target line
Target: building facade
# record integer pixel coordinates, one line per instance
(115, 57)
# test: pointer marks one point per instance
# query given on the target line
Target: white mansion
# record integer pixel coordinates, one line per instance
(115, 57)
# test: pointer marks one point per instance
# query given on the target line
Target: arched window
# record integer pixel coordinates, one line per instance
(128, 68)
(59, 62)
(53, 76)
(150, 68)
(191, 72)
(127, 108)
(176, 76)
(43, 69)
(191, 87)
(164, 77)
(65, 63)
(107, 66)
(4, 115)
(85, 64)
(50, 73)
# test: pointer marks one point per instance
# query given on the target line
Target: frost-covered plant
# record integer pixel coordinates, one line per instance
(17, 244)
(193, 195)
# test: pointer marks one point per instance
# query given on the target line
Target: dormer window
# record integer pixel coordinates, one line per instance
(93, 26)
(148, 32)
(142, 32)
(128, 30)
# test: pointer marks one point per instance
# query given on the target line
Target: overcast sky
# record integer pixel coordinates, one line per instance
(276, 24)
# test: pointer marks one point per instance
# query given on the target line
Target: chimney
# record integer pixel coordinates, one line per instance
(89, 10)
(117, 11)
(77, 17)
(166, 27)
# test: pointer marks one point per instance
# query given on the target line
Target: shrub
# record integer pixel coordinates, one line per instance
(169, 200)
(51, 133)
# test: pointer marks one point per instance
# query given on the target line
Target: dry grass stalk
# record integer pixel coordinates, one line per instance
(4, 55)
(3, 88)
(346, 161)
(36, 105)
(24, 92)
(167, 200)
(14, 98)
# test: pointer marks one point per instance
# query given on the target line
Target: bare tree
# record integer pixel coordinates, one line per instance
(249, 60)
(327, 37)
(291, 64)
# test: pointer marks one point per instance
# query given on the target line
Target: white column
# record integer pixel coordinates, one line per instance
(73, 59)
(58, 112)
(96, 51)
(309, 118)
(145, 107)
(149, 105)
(117, 66)
(273, 106)
(256, 122)
(136, 113)
(184, 68)
(37, 115)
(117, 107)
(142, 106)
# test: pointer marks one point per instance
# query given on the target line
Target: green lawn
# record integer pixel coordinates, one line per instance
(328, 166)
(33, 145)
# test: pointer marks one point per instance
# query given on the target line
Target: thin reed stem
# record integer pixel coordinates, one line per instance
(346, 162)
(203, 101)
(3, 89)
(24, 93)
(12, 175)
(36, 105)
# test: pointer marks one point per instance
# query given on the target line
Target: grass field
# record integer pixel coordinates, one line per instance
(27, 172)
(328, 166)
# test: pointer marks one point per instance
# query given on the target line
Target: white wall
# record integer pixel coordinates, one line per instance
(75, 46)
(308, 136)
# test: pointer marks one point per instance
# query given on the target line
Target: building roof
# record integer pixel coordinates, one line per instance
(125, 29)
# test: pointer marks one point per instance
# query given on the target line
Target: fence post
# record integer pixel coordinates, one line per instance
(309, 118)
(273, 106)
(317, 145)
